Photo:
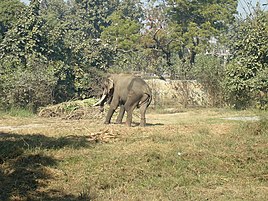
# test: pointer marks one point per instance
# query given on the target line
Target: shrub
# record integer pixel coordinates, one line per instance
(27, 87)
(209, 70)
(246, 80)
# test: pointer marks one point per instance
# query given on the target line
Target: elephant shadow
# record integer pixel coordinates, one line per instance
(21, 171)
(136, 124)
(155, 124)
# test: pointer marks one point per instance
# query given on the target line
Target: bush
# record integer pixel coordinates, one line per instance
(246, 81)
(27, 87)
(208, 70)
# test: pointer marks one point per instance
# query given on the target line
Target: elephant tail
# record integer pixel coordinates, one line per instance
(150, 99)
(146, 99)
(149, 94)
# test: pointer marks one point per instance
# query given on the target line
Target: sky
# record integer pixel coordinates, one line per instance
(242, 5)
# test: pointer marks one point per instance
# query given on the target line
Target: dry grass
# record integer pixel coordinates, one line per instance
(190, 155)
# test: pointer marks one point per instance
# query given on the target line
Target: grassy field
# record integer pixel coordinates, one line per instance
(193, 154)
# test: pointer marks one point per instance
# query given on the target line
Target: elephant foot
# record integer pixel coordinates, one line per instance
(106, 122)
(118, 122)
(142, 123)
(101, 109)
(128, 124)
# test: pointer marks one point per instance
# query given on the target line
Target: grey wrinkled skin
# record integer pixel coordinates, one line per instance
(127, 92)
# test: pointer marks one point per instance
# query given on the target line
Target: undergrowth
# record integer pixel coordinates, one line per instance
(17, 112)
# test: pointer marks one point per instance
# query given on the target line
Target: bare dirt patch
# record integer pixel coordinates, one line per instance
(253, 118)
(29, 126)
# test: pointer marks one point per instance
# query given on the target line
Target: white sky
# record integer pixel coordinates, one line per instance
(245, 6)
(242, 4)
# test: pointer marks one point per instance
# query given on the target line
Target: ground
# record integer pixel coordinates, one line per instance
(186, 154)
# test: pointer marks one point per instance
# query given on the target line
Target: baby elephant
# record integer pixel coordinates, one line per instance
(128, 92)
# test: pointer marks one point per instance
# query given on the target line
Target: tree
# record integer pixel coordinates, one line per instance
(26, 77)
(157, 38)
(246, 75)
(190, 25)
(123, 34)
(10, 11)
(27, 37)
(60, 39)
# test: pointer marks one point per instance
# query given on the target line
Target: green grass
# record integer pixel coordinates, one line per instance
(195, 155)
(17, 112)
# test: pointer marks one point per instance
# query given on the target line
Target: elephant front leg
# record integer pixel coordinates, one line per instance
(120, 115)
(129, 118)
(110, 113)
(109, 116)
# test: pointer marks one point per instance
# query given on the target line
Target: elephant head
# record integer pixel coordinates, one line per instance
(107, 94)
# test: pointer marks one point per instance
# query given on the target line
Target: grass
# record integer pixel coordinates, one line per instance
(191, 155)
(17, 112)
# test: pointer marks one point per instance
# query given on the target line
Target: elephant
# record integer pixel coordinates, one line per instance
(128, 92)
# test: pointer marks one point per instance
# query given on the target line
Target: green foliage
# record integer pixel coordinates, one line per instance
(27, 37)
(184, 28)
(83, 25)
(123, 36)
(218, 13)
(209, 71)
(67, 45)
(28, 87)
(198, 21)
(123, 32)
(26, 79)
(10, 11)
(18, 112)
(54, 46)
(246, 75)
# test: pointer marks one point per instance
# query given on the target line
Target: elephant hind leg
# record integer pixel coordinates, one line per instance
(129, 114)
(130, 105)
(143, 107)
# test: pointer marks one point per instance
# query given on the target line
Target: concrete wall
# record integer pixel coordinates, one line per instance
(178, 92)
